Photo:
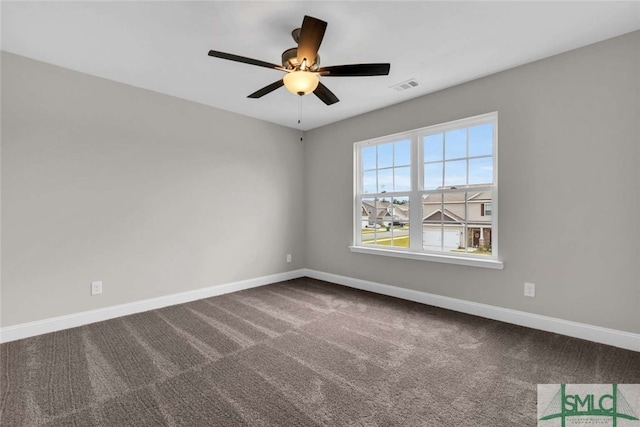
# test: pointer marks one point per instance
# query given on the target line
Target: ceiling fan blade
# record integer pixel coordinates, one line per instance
(267, 89)
(325, 94)
(243, 59)
(355, 70)
(311, 35)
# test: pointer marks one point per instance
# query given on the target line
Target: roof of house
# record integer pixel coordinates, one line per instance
(457, 197)
(437, 217)
(400, 211)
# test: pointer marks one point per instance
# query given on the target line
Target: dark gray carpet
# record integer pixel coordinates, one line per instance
(297, 353)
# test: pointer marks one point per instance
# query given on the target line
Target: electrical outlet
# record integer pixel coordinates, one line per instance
(96, 287)
(529, 289)
(288, 257)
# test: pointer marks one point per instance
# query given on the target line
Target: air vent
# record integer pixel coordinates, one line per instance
(411, 83)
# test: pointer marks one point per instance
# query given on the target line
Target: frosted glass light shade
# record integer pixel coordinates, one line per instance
(301, 82)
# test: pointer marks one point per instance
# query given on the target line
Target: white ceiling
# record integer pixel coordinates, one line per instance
(162, 46)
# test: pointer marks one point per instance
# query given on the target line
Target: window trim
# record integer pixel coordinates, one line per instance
(417, 181)
(495, 264)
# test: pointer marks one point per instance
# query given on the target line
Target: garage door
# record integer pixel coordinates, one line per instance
(432, 239)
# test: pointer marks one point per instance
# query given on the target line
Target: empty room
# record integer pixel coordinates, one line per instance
(320, 213)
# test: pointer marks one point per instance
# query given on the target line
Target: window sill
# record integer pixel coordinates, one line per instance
(447, 259)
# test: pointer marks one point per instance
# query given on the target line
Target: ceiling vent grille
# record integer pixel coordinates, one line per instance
(409, 84)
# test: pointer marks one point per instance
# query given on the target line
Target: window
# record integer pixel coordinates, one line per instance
(430, 193)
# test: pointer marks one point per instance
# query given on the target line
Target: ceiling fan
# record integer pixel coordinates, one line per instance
(302, 65)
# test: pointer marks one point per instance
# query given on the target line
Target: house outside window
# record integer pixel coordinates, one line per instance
(429, 192)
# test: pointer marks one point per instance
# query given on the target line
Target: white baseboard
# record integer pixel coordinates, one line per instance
(25, 330)
(598, 334)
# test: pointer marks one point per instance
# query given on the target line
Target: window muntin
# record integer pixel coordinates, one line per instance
(459, 157)
(456, 222)
(447, 173)
(386, 167)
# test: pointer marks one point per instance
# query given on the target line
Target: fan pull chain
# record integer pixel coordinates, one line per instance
(300, 115)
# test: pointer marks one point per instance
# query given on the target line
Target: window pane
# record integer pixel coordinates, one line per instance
(402, 179)
(481, 171)
(455, 144)
(479, 225)
(481, 140)
(369, 227)
(369, 182)
(432, 222)
(399, 226)
(455, 173)
(453, 221)
(402, 153)
(385, 155)
(433, 147)
(385, 180)
(369, 158)
(432, 176)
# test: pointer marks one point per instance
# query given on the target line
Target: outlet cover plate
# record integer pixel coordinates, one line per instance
(529, 289)
(96, 287)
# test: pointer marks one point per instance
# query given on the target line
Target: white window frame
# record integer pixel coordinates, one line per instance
(415, 251)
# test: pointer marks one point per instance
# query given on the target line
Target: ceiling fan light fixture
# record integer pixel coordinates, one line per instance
(301, 82)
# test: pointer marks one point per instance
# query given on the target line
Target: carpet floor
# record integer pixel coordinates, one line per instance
(297, 353)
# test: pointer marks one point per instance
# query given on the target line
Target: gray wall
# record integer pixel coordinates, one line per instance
(150, 194)
(155, 195)
(568, 188)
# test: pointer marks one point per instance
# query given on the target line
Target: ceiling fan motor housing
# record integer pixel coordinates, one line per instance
(290, 60)
(295, 34)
